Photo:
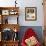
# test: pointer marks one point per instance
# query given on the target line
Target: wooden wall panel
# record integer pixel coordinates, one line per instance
(44, 4)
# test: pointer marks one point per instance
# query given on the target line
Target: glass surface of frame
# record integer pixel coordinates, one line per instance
(30, 13)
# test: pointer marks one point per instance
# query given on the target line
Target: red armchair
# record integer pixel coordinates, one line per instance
(30, 38)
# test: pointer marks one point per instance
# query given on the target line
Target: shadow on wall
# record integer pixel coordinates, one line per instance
(37, 29)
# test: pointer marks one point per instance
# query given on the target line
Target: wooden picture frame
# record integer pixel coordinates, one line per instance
(30, 13)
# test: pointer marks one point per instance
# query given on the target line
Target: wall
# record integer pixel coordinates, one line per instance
(31, 3)
(26, 3)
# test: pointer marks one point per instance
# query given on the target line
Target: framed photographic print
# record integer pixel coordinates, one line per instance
(5, 12)
(30, 13)
(13, 12)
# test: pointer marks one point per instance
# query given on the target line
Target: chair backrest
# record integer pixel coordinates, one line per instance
(29, 34)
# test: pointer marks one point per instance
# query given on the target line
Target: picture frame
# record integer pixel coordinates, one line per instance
(30, 13)
(5, 12)
(12, 12)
